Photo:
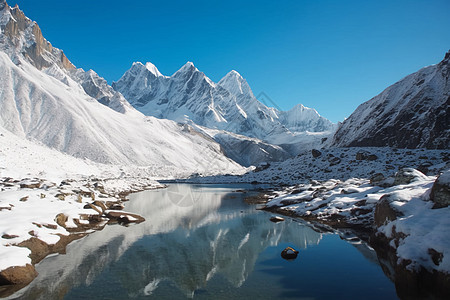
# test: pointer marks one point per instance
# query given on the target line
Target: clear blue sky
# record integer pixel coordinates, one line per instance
(330, 55)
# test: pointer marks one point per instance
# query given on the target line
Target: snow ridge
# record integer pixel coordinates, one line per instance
(412, 113)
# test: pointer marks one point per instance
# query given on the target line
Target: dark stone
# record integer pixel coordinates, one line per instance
(372, 157)
(384, 212)
(316, 153)
(440, 192)
(407, 175)
(289, 253)
(360, 156)
(436, 257)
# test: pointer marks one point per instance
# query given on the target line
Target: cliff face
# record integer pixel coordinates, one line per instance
(25, 37)
(412, 113)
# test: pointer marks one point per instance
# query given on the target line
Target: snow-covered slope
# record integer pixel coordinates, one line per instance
(245, 150)
(44, 98)
(412, 113)
(227, 105)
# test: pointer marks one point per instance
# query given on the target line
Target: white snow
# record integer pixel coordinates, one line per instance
(228, 105)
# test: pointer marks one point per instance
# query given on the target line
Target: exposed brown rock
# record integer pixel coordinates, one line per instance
(18, 275)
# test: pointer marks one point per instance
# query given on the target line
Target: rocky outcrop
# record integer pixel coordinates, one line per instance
(408, 175)
(26, 35)
(440, 193)
(412, 113)
(385, 212)
(19, 275)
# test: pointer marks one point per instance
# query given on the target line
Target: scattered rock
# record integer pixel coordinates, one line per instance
(436, 256)
(334, 161)
(289, 253)
(372, 157)
(61, 220)
(316, 153)
(361, 156)
(440, 192)
(9, 236)
(23, 199)
(377, 178)
(29, 184)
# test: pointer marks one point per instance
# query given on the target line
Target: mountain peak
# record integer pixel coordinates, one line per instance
(235, 84)
(153, 69)
(234, 73)
(187, 68)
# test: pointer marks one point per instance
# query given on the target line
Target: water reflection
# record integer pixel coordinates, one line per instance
(186, 241)
(202, 241)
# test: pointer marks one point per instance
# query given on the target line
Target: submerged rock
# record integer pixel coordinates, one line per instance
(289, 253)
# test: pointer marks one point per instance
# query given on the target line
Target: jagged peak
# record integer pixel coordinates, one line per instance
(186, 68)
(138, 67)
(235, 83)
(153, 69)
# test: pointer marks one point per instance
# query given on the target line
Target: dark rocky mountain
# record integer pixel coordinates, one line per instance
(412, 113)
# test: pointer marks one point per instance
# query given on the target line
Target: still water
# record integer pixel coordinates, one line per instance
(204, 242)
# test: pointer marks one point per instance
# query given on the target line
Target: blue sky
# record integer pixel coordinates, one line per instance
(329, 55)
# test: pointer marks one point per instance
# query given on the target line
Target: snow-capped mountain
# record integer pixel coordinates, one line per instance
(46, 99)
(412, 113)
(227, 105)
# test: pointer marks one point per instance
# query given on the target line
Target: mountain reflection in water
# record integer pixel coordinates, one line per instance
(192, 236)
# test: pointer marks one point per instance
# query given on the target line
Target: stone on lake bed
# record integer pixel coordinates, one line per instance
(289, 253)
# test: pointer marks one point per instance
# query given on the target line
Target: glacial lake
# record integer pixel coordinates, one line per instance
(205, 242)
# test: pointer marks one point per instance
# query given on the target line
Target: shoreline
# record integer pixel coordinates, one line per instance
(98, 202)
(389, 225)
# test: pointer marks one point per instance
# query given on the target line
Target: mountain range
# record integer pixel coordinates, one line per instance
(46, 99)
(230, 105)
(186, 120)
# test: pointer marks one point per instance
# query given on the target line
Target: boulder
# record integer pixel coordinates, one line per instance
(377, 178)
(440, 192)
(408, 175)
(289, 253)
(361, 156)
(316, 153)
(18, 275)
(385, 212)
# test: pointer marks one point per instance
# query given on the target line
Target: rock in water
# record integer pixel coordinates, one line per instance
(289, 253)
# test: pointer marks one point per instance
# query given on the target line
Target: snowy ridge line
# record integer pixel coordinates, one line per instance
(229, 105)
(340, 164)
